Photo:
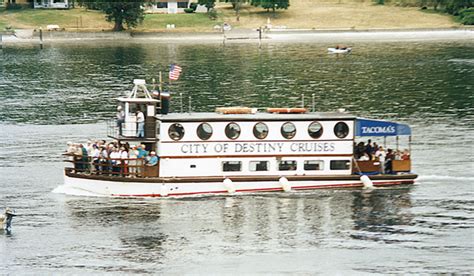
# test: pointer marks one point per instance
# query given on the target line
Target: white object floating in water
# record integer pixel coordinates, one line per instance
(285, 184)
(367, 182)
(229, 185)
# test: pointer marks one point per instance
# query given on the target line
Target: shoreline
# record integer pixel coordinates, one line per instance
(244, 35)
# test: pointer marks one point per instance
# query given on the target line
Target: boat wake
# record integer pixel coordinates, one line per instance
(445, 177)
(68, 190)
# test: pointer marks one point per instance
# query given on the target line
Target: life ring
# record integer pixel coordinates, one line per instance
(235, 110)
(292, 110)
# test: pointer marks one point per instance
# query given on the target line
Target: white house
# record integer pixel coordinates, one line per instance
(51, 4)
(167, 6)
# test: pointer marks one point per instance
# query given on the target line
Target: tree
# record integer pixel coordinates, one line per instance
(129, 12)
(271, 4)
(209, 4)
(236, 5)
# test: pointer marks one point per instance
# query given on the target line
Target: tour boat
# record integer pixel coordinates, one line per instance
(339, 50)
(235, 150)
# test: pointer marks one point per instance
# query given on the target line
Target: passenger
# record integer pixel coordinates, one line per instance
(398, 155)
(369, 148)
(364, 157)
(71, 149)
(132, 163)
(115, 161)
(142, 154)
(85, 158)
(388, 161)
(380, 156)
(96, 157)
(104, 159)
(153, 160)
(360, 150)
(140, 124)
(78, 158)
(406, 155)
(124, 157)
(120, 119)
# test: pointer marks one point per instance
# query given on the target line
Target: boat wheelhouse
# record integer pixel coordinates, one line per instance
(235, 150)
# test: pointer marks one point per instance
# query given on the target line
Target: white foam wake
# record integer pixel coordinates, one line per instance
(445, 177)
(68, 190)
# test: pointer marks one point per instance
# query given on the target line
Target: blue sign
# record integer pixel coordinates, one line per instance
(366, 127)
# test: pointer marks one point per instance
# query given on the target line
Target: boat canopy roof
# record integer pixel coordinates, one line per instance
(259, 116)
(367, 127)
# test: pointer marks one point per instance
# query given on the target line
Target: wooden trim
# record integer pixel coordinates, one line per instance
(252, 156)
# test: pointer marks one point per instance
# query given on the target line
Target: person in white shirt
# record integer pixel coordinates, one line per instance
(124, 157)
(115, 160)
(380, 155)
(140, 124)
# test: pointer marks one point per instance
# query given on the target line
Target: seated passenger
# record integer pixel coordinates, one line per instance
(405, 155)
(364, 157)
(152, 160)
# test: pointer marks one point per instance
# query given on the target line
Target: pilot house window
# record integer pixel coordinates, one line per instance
(176, 132)
(231, 166)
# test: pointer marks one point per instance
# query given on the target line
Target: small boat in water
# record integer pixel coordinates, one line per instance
(339, 50)
(233, 150)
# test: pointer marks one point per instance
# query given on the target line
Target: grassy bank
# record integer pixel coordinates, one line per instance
(302, 14)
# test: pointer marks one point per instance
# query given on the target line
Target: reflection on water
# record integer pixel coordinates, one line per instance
(77, 84)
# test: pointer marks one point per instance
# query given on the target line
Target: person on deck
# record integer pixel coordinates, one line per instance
(380, 156)
(153, 160)
(140, 124)
(120, 119)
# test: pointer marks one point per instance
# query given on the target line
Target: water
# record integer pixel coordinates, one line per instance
(65, 92)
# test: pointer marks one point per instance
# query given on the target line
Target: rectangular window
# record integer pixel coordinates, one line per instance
(313, 165)
(162, 5)
(182, 5)
(340, 164)
(287, 165)
(258, 166)
(231, 166)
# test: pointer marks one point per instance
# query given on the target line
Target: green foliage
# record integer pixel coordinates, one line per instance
(212, 14)
(209, 4)
(467, 16)
(129, 12)
(271, 4)
(188, 10)
(455, 6)
(193, 6)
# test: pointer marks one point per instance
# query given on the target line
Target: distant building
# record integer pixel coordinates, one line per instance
(167, 6)
(51, 4)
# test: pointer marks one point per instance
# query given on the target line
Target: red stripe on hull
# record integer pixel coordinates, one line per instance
(348, 185)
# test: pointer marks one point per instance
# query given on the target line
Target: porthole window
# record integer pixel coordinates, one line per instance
(341, 130)
(288, 130)
(176, 132)
(204, 131)
(232, 131)
(315, 130)
(260, 130)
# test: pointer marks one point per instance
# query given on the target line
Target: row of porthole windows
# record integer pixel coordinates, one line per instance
(286, 165)
(260, 130)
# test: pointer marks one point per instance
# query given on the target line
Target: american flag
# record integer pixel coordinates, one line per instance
(175, 70)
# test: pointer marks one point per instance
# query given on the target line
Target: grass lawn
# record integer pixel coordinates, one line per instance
(315, 14)
(183, 22)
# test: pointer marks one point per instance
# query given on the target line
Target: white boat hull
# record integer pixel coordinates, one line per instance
(98, 187)
(339, 51)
